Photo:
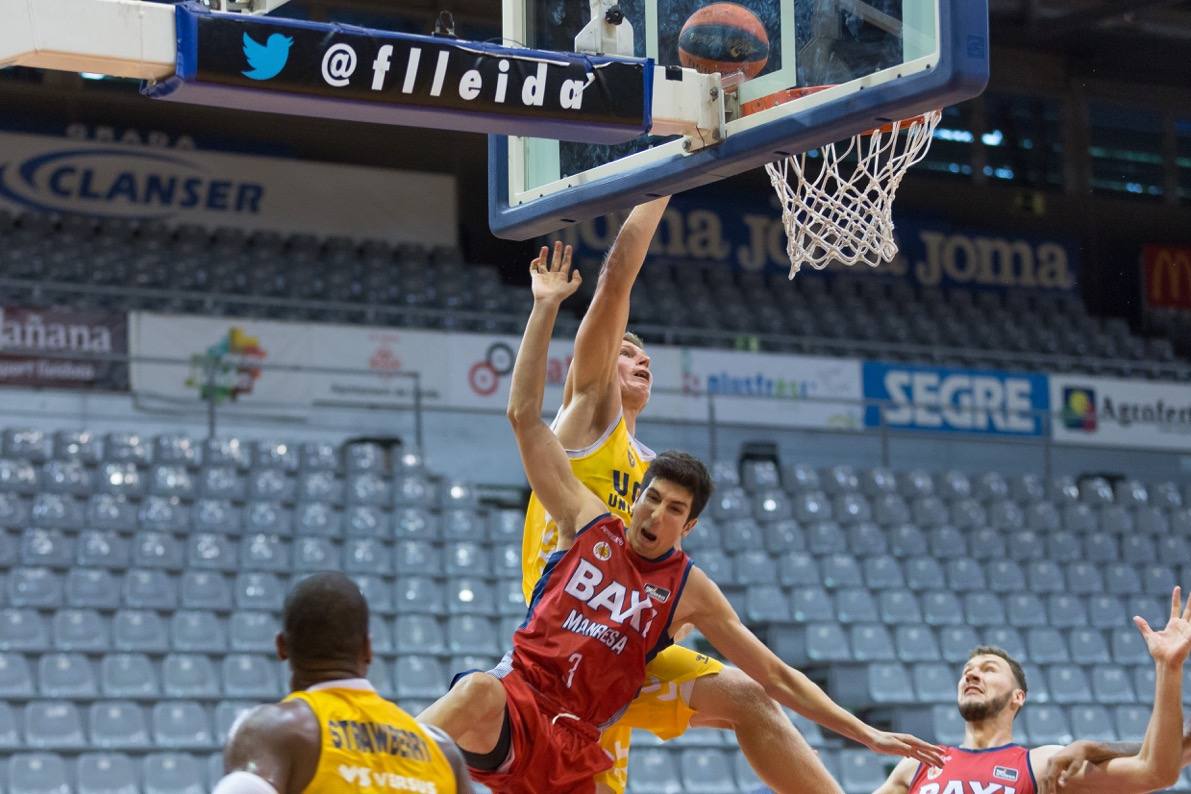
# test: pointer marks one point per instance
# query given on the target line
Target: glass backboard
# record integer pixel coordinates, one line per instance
(885, 60)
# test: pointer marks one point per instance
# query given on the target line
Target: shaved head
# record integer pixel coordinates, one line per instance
(325, 619)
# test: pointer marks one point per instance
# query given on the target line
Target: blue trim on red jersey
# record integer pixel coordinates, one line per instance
(665, 640)
(1030, 769)
(990, 749)
(540, 588)
(593, 522)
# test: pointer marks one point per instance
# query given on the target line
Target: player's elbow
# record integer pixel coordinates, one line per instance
(521, 414)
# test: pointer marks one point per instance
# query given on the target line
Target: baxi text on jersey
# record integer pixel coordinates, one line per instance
(966, 787)
(621, 603)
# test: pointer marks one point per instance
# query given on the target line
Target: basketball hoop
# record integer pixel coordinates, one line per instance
(837, 201)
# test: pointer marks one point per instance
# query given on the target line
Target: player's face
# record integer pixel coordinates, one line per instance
(660, 518)
(636, 379)
(986, 688)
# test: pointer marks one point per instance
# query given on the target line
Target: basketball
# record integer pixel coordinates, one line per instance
(724, 38)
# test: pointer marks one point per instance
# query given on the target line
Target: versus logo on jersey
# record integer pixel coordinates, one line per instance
(1005, 772)
(603, 553)
(660, 594)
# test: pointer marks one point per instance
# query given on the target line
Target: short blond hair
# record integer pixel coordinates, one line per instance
(629, 336)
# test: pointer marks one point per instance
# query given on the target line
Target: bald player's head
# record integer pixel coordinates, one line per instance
(325, 625)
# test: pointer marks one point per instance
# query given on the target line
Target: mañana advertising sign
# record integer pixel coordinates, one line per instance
(1166, 277)
(1121, 413)
(943, 400)
(715, 233)
(48, 174)
(27, 335)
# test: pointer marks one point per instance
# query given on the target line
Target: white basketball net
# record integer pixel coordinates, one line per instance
(838, 207)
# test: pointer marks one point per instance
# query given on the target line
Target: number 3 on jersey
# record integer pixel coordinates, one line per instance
(574, 659)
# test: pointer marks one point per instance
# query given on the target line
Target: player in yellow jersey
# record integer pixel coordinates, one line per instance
(334, 734)
(607, 388)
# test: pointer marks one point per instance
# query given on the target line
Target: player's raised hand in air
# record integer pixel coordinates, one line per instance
(1171, 645)
(552, 280)
(905, 745)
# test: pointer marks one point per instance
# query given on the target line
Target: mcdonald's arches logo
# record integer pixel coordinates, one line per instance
(1166, 273)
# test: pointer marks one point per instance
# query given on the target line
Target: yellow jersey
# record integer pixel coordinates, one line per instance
(612, 468)
(370, 744)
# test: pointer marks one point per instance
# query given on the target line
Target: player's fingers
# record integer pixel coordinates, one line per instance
(556, 263)
(566, 260)
(1176, 603)
(535, 264)
(1142, 626)
(576, 278)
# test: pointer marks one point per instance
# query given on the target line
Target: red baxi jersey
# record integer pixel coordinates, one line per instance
(599, 613)
(997, 770)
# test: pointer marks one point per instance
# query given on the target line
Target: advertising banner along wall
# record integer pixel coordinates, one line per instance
(48, 174)
(1121, 413)
(354, 365)
(35, 348)
(944, 400)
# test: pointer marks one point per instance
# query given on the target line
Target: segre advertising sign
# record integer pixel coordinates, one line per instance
(944, 400)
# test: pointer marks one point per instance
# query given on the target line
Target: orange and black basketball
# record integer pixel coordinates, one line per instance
(724, 38)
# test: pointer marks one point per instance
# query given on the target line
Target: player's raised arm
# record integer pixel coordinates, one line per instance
(593, 371)
(1155, 764)
(542, 456)
(706, 607)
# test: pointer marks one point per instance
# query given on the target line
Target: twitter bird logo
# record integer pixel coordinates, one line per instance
(267, 60)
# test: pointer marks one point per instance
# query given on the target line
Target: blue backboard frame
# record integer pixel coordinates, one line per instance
(960, 73)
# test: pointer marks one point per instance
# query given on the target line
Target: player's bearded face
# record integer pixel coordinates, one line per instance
(979, 708)
(636, 378)
(985, 689)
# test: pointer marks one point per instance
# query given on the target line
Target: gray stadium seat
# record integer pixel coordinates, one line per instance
(855, 605)
(409, 524)
(89, 587)
(23, 630)
(77, 630)
(1093, 723)
(211, 551)
(126, 448)
(890, 510)
(1121, 579)
(1112, 684)
(252, 631)
(468, 559)
(1066, 611)
(107, 773)
(38, 773)
(49, 548)
(809, 507)
(188, 676)
(171, 481)
(953, 485)
(1138, 549)
(941, 608)
(1044, 576)
(419, 595)
(1046, 646)
(76, 446)
(10, 731)
(809, 604)
(221, 482)
(157, 550)
(275, 455)
(947, 542)
(38, 588)
(839, 570)
(769, 506)
(1005, 576)
(1068, 684)
(320, 486)
(899, 606)
(1158, 580)
(104, 511)
(165, 514)
(414, 490)
(177, 450)
(1047, 724)
(120, 479)
(66, 675)
(263, 591)
(472, 634)
(138, 630)
(173, 773)
(318, 519)
(907, 541)
(1151, 521)
(149, 589)
(226, 452)
(801, 477)
(421, 634)
(765, 603)
(983, 609)
(102, 549)
(929, 511)
(17, 476)
(1131, 722)
(52, 725)
(181, 724)
(16, 678)
(128, 675)
(1025, 610)
(419, 677)
(871, 643)
(965, 575)
(822, 537)
(1084, 578)
(933, 683)
(987, 544)
(268, 518)
(707, 771)
(923, 573)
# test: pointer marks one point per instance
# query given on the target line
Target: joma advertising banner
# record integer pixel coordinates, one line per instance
(698, 230)
(1121, 413)
(353, 365)
(114, 180)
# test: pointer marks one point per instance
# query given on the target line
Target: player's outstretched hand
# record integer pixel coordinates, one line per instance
(1171, 645)
(1063, 765)
(904, 744)
(553, 280)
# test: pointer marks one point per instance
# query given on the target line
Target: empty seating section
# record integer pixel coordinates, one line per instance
(230, 272)
(141, 581)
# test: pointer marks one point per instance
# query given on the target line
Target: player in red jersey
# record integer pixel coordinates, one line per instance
(992, 690)
(609, 599)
